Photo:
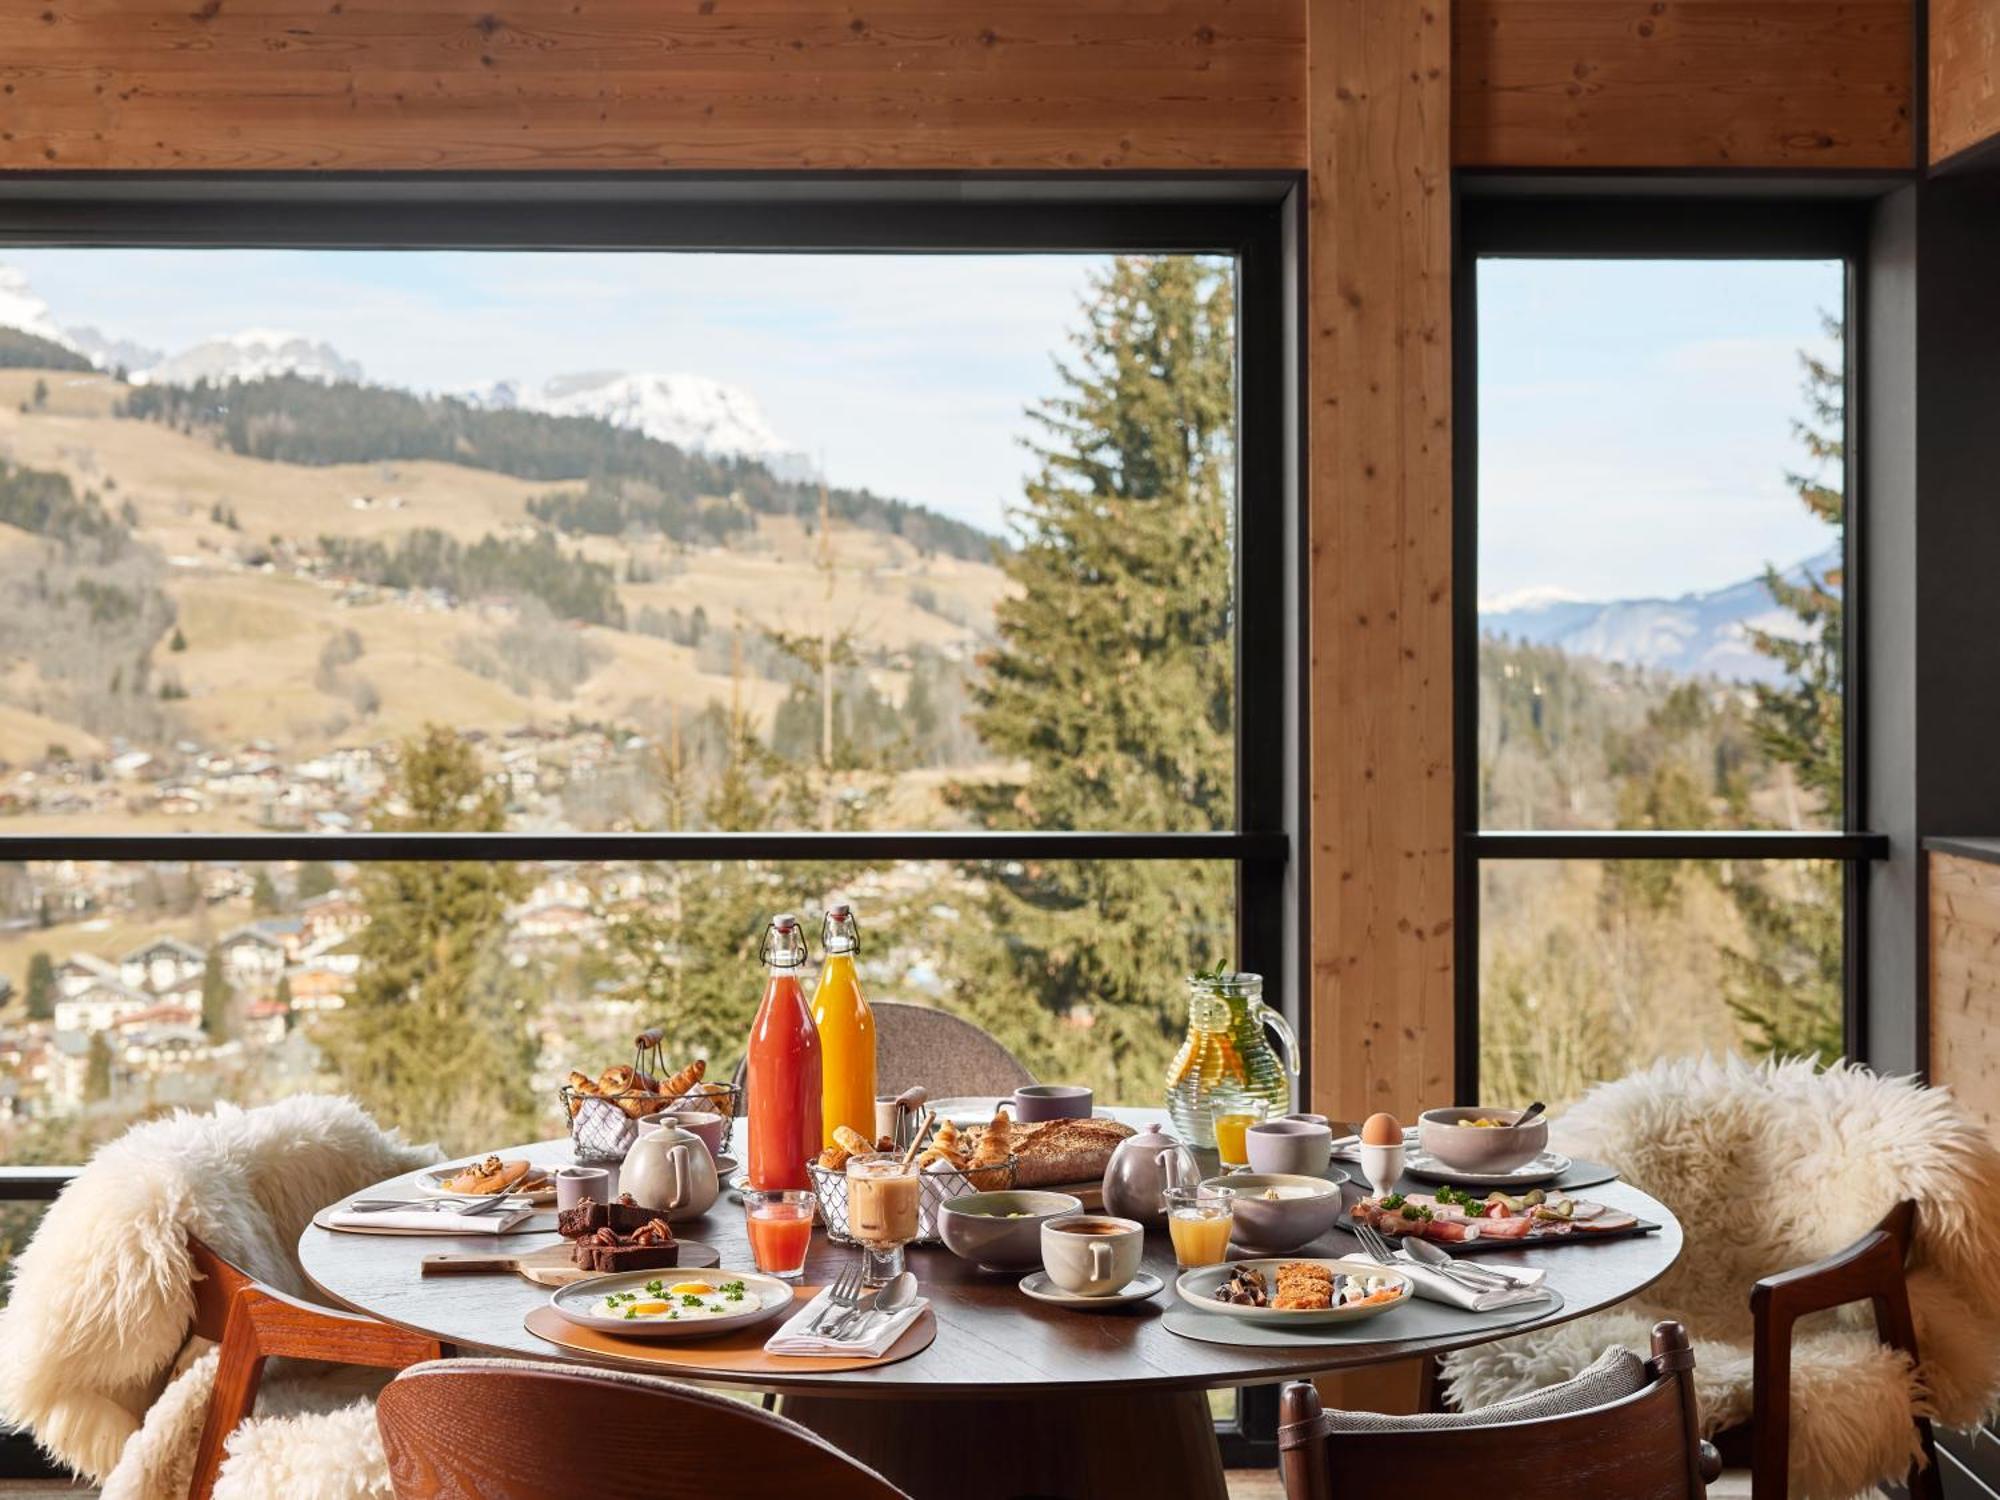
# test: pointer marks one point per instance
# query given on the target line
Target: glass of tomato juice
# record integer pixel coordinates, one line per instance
(780, 1223)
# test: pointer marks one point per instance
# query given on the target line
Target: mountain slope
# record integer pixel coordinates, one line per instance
(253, 354)
(1701, 634)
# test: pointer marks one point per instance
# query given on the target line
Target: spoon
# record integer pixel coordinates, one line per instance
(892, 1299)
(1530, 1113)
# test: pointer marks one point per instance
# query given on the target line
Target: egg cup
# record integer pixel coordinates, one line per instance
(1382, 1166)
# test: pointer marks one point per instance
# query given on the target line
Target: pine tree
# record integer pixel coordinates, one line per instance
(264, 895)
(1113, 682)
(1788, 988)
(41, 986)
(315, 879)
(434, 1036)
(97, 1069)
(218, 1000)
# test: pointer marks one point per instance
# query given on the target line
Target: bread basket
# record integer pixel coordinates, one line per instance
(604, 1124)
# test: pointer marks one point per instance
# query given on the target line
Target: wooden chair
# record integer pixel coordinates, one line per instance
(1645, 1446)
(468, 1429)
(252, 1323)
(1869, 1270)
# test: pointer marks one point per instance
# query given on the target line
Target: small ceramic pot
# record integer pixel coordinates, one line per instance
(1289, 1145)
(1001, 1231)
(1304, 1209)
(1036, 1102)
(1447, 1135)
(574, 1184)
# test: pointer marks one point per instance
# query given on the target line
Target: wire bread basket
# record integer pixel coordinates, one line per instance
(605, 1114)
(939, 1186)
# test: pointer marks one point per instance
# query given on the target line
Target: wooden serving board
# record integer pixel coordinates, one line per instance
(738, 1352)
(552, 1265)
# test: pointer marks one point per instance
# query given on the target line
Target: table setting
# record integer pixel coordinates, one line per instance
(1090, 1268)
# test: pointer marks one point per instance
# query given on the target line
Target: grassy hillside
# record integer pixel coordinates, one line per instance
(266, 651)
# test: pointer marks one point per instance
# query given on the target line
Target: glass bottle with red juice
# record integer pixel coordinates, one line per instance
(783, 1072)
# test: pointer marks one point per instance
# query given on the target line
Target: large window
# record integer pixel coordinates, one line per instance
(1659, 689)
(422, 668)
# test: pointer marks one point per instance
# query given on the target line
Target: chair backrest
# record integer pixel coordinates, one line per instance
(947, 1054)
(1645, 1446)
(474, 1427)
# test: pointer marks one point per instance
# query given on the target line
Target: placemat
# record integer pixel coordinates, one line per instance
(740, 1352)
(1416, 1319)
(538, 1223)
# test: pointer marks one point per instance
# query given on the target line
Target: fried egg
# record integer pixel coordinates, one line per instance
(680, 1302)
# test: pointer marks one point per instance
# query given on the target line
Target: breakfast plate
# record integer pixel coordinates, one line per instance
(1545, 1168)
(674, 1303)
(1138, 1289)
(1375, 1288)
(538, 1186)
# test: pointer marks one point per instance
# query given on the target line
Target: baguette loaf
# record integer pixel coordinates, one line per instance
(1065, 1151)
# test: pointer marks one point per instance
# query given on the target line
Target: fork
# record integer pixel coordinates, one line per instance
(844, 1295)
(481, 1205)
(1473, 1279)
(1372, 1242)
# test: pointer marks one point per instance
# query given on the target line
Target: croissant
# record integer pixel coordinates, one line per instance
(686, 1079)
(953, 1159)
(617, 1080)
(833, 1159)
(719, 1099)
(947, 1139)
(997, 1144)
(852, 1141)
(581, 1085)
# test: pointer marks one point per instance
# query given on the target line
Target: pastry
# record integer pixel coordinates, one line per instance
(487, 1177)
(686, 1079)
(852, 1141)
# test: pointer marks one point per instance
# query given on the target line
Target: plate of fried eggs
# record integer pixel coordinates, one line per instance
(671, 1303)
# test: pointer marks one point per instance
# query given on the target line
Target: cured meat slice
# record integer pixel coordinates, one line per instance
(1609, 1219)
(1450, 1231)
(1514, 1228)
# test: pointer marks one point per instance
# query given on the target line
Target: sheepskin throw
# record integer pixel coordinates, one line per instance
(1771, 1166)
(95, 1353)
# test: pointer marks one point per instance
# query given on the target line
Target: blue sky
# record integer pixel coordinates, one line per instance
(1635, 422)
(1634, 415)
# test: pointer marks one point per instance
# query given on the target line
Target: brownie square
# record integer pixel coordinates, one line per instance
(587, 1218)
(606, 1259)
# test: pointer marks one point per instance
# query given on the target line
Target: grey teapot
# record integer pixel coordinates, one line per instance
(1141, 1170)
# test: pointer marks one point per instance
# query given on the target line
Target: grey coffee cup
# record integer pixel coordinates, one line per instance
(574, 1184)
(1092, 1264)
(1299, 1147)
(705, 1123)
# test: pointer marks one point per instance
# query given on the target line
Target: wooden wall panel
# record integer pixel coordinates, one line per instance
(1379, 497)
(1684, 83)
(1965, 982)
(598, 84)
(1965, 93)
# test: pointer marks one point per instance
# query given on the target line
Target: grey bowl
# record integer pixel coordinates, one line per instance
(1278, 1226)
(975, 1227)
(1474, 1148)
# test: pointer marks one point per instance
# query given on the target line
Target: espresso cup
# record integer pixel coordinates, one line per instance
(1036, 1102)
(705, 1123)
(1092, 1255)
(574, 1184)
(1298, 1147)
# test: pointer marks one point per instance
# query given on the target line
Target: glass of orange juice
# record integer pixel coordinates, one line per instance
(1233, 1113)
(780, 1225)
(1198, 1222)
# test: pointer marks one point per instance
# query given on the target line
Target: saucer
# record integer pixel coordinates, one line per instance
(1545, 1168)
(1037, 1285)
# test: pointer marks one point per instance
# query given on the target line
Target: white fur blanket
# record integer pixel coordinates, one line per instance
(97, 1321)
(1768, 1167)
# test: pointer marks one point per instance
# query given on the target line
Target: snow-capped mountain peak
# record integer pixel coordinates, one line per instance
(252, 354)
(22, 307)
(694, 412)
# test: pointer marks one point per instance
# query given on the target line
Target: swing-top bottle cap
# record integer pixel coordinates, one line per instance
(784, 945)
(839, 932)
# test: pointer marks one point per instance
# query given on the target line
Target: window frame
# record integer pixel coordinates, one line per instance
(1253, 217)
(1501, 220)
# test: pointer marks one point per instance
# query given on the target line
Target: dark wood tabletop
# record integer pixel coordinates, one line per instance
(992, 1340)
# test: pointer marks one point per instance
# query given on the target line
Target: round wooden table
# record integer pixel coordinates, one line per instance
(1071, 1403)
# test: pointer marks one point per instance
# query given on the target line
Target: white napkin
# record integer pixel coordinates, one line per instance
(432, 1220)
(1432, 1283)
(792, 1338)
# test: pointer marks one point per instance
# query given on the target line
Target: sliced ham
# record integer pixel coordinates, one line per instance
(1583, 1208)
(1513, 1227)
(1451, 1231)
(1608, 1219)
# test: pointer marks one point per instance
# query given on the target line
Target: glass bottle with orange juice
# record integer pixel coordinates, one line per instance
(782, 1067)
(846, 1032)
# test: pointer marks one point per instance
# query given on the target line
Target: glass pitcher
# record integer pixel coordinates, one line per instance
(1226, 1051)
